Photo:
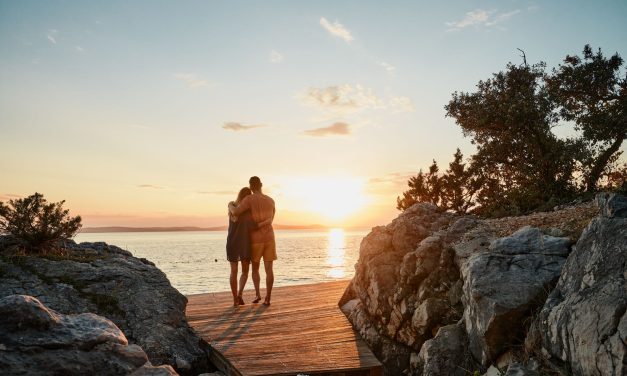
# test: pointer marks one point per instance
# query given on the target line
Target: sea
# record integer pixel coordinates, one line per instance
(195, 261)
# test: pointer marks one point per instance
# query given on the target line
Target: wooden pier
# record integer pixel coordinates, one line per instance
(302, 332)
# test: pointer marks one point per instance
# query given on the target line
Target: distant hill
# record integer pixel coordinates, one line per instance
(188, 228)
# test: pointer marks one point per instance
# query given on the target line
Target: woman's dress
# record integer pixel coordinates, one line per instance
(238, 238)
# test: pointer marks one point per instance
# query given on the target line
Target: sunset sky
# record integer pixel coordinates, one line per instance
(155, 113)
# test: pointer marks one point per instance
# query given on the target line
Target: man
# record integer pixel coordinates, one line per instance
(262, 239)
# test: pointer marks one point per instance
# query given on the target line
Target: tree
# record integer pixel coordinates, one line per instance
(592, 93)
(458, 186)
(519, 162)
(37, 223)
(424, 187)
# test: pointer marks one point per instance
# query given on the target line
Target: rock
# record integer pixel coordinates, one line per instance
(155, 371)
(444, 354)
(503, 286)
(531, 240)
(39, 341)
(519, 369)
(584, 323)
(349, 306)
(108, 281)
(402, 267)
(612, 205)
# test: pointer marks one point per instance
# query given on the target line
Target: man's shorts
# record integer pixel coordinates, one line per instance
(266, 250)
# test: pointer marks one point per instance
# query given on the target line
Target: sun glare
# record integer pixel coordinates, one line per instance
(335, 254)
(334, 198)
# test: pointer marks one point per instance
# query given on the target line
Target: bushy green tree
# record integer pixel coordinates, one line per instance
(519, 161)
(39, 225)
(520, 165)
(592, 92)
(424, 187)
(453, 190)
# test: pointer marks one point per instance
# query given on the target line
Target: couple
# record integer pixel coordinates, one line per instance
(251, 238)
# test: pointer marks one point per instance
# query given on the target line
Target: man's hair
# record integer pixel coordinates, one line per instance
(255, 183)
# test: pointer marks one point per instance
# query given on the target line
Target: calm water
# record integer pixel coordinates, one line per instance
(195, 262)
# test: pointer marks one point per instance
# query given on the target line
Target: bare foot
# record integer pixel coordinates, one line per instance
(257, 299)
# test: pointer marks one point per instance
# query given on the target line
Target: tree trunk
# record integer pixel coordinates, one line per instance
(601, 162)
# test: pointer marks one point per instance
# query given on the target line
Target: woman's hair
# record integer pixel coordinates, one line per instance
(242, 193)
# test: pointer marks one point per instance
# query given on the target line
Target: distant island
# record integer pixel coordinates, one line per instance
(190, 228)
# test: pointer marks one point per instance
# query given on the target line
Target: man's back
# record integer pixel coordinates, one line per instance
(261, 208)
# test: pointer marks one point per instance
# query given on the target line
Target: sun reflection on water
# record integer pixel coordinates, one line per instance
(335, 253)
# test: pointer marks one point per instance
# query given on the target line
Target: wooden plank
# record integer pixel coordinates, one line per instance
(303, 331)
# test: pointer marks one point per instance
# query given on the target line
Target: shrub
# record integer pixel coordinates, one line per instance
(37, 224)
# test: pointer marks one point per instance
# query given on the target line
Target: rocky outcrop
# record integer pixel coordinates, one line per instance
(504, 284)
(401, 300)
(583, 324)
(440, 294)
(35, 340)
(108, 281)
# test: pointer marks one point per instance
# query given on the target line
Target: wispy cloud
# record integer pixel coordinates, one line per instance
(79, 49)
(8, 196)
(276, 56)
(234, 126)
(336, 129)
(342, 99)
(150, 186)
(52, 36)
(388, 67)
(393, 182)
(336, 29)
(191, 79)
(401, 104)
(481, 17)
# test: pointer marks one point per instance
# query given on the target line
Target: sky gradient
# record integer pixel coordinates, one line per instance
(155, 113)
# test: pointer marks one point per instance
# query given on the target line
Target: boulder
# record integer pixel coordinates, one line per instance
(504, 285)
(583, 323)
(39, 341)
(445, 354)
(402, 283)
(109, 281)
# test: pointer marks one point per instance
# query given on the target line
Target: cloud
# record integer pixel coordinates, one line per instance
(234, 126)
(343, 99)
(388, 67)
(502, 17)
(191, 79)
(79, 49)
(393, 182)
(402, 104)
(481, 17)
(336, 129)
(9, 196)
(51, 35)
(276, 57)
(150, 186)
(336, 29)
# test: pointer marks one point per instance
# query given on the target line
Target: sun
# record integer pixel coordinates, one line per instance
(334, 198)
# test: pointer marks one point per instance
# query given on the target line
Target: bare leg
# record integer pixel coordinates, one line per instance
(243, 278)
(233, 282)
(267, 265)
(256, 278)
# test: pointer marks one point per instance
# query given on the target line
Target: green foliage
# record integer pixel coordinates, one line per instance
(592, 92)
(37, 224)
(520, 165)
(453, 190)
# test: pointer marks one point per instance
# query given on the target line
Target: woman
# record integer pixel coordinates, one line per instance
(238, 246)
